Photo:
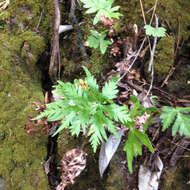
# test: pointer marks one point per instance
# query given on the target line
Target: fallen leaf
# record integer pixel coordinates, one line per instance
(73, 163)
(108, 149)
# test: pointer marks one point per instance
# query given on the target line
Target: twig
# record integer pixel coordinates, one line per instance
(143, 12)
(154, 47)
(172, 70)
(133, 60)
(151, 83)
(178, 39)
(4, 4)
(168, 76)
(151, 66)
(40, 19)
(144, 18)
(55, 44)
(155, 5)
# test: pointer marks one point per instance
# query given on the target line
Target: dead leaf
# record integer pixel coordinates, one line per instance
(108, 149)
(73, 163)
(106, 21)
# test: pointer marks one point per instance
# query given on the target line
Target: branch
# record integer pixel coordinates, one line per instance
(55, 43)
(154, 47)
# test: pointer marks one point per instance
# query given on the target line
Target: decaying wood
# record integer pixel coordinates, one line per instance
(53, 67)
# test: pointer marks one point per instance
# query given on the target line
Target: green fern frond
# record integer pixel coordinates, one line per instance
(109, 91)
(83, 108)
(133, 145)
(178, 117)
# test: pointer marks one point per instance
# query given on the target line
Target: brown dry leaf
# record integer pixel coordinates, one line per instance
(39, 107)
(106, 21)
(115, 51)
(123, 65)
(73, 163)
(141, 120)
(33, 125)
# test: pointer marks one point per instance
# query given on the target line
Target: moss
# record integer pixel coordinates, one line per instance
(177, 178)
(165, 11)
(178, 83)
(97, 62)
(28, 45)
(23, 15)
(19, 150)
(21, 154)
(164, 58)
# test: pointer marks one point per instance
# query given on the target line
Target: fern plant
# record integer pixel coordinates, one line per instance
(101, 8)
(137, 138)
(83, 108)
(178, 117)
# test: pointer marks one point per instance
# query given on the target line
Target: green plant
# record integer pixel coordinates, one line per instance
(133, 145)
(98, 40)
(84, 108)
(101, 8)
(155, 32)
(178, 117)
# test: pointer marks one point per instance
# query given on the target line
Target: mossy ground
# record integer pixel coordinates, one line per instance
(22, 154)
(177, 178)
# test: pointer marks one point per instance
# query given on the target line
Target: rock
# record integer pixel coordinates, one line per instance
(21, 154)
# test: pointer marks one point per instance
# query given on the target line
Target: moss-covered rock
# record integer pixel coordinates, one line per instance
(21, 154)
(163, 59)
(21, 44)
(177, 178)
(171, 14)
